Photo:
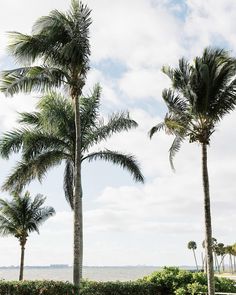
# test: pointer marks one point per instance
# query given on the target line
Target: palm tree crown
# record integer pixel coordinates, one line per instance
(59, 45)
(201, 94)
(192, 245)
(47, 137)
(21, 216)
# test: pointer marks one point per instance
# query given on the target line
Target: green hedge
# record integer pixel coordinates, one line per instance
(183, 282)
(120, 288)
(36, 288)
(170, 281)
(87, 288)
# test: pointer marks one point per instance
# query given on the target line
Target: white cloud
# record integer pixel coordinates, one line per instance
(148, 224)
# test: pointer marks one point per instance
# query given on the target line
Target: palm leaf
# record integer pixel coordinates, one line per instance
(126, 161)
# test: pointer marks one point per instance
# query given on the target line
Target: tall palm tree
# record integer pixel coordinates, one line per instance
(21, 216)
(192, 245)
(56, 54)
(202, 93)
(47, 137)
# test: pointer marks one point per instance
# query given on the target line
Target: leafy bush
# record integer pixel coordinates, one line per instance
(87, 288)
(182, 282)
(169, 281)
(120, 288)
(36, 288)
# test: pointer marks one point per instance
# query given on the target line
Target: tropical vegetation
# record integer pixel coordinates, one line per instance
(46, 138)
(21, 216)
(169, 281)
(202, 93)
(68, 129)
(56, 54)
(192, 245)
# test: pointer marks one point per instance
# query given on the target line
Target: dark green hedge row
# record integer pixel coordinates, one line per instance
(87, 288)
(120, 288)
(36, 288)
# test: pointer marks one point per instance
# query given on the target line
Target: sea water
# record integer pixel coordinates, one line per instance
(92, 273)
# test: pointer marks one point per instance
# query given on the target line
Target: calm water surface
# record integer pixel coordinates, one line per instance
(91, 273)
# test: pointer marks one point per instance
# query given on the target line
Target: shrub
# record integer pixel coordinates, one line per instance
(87, 288)
(120, 288)
(36, 288)
(170, 281)
(182, 282)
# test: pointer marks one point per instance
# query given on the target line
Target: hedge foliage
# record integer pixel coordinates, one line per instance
(170, 281)
(87, 288)
(120, 288)
(36, 288)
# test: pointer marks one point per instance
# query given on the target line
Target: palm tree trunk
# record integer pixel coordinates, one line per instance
(231, 263)
(202, 261)
(208, 229)
(223, 264)
(78, 234)
(194, 254)
(234, 263)
(22, 259)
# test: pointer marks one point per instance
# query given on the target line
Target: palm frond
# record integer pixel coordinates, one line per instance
(57, 114)
(89, 109)
(117, 123)
(26, 171)
(175, 103)
(69, 183)
(28, 79)
(175, 147)
(126, 161)
(37, 143)
(12, 142)
(156, 128)
(31, 119)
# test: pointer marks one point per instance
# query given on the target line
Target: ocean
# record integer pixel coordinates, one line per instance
(92, 273)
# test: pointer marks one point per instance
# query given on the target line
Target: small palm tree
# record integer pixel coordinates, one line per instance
(220, 251)
(229, 250)
(192, 245)
(234, 255)
(56, 54)
(202, 94)
(47, 138)
(21, 216)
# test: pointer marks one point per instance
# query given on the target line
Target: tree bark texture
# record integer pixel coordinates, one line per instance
(208, 228)
(22, 259)
(195, 258)
(78, 234)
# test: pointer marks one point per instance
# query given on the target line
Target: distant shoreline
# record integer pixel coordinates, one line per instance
(60, 266)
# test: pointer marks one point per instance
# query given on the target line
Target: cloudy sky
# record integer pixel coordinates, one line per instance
(127, 223)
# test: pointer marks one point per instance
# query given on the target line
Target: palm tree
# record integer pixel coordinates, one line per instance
(21, 216)
(229, 250)
(56, 54)
(47, 137)
(192, 245)
(234, 255)
(220, 251)
(201, 94)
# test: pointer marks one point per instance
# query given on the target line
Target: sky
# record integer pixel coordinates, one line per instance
(126, 223)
